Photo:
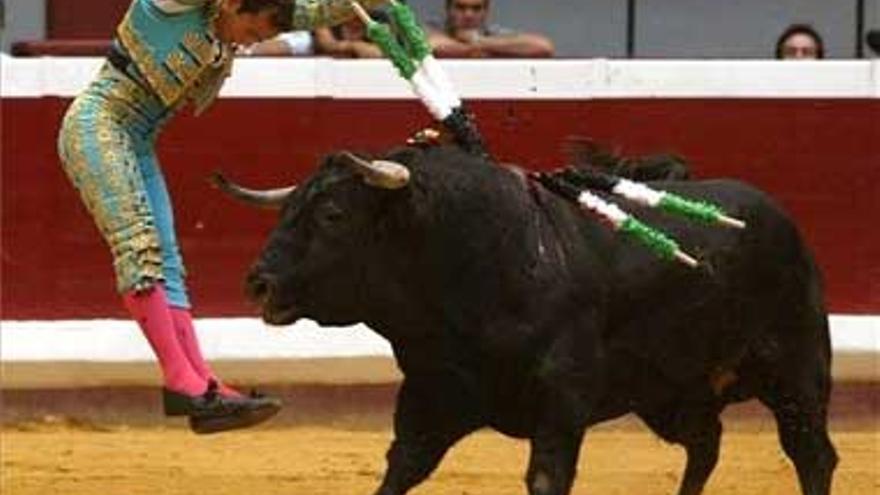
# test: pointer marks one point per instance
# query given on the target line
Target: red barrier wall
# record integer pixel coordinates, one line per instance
(819, 158)
(79, 20)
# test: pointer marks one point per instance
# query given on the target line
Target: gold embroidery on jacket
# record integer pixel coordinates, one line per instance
(179, 75)
(196, 70)
(210, 82)
(184, 70)
(167, 89)
(199, 47)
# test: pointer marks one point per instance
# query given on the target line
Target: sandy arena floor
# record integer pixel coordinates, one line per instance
(332, 436)
(71, 459)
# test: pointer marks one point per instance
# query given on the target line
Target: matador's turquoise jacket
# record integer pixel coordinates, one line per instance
(106, 142)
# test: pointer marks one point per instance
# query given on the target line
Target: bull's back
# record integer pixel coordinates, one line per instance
(686, 321)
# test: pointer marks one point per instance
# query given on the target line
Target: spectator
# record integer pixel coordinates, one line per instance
(468, 34)
(800, 42)
(873, 40)
(348, 40)
(289, 44)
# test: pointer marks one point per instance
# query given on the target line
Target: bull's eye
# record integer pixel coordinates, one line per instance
(329, 215)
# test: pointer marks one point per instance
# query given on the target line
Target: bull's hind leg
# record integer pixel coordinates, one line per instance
(432, 414)
(801, 419)
(696, 428)
(796, 386)
(553, 461)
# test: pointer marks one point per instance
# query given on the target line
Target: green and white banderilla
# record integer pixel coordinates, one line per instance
(416, 64)
(572, 184)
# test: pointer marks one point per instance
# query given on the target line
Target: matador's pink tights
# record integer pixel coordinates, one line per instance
(189, 342)
(151, 310)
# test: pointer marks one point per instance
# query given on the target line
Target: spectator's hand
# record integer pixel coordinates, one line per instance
(469, 36)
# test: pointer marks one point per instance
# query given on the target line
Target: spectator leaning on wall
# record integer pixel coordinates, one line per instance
(466, 33)
(800, 42)
(289, 44)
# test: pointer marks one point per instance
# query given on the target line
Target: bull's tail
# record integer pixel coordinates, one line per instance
(584, 153)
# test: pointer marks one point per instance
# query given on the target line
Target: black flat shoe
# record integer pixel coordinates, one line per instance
(209, 403)
(249, 411)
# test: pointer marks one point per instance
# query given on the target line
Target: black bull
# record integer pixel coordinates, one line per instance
(508, 307)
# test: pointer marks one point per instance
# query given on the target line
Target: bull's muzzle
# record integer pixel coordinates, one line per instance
(259, 287)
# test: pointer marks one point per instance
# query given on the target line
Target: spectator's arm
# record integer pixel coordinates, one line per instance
(270, 48)
(365, 49)
(289, 44)
(525, 45)
(445, 46)
(327, 44)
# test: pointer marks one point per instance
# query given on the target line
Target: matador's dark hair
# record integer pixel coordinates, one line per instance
(282, 17)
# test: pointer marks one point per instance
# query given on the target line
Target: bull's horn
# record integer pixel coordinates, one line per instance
(378, 173)
(269, 198)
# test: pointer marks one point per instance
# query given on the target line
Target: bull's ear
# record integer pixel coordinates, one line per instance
(378, 173)
(269, 198)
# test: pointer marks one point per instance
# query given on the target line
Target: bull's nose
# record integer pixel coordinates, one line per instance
(259, 286)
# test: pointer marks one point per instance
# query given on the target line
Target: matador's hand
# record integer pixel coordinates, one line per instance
(430, 136)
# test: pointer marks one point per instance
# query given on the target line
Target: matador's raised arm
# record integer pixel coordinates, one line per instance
(307, 14)
(310, 14)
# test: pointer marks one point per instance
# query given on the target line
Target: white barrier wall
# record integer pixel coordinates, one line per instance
(513, 79)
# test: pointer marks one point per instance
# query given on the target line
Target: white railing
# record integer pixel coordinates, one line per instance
(493, 79)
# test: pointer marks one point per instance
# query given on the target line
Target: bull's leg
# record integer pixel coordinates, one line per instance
(570, 378)
(698, 430)
(797, 388)
(553, 461)
(803, 431)
(431, 416)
